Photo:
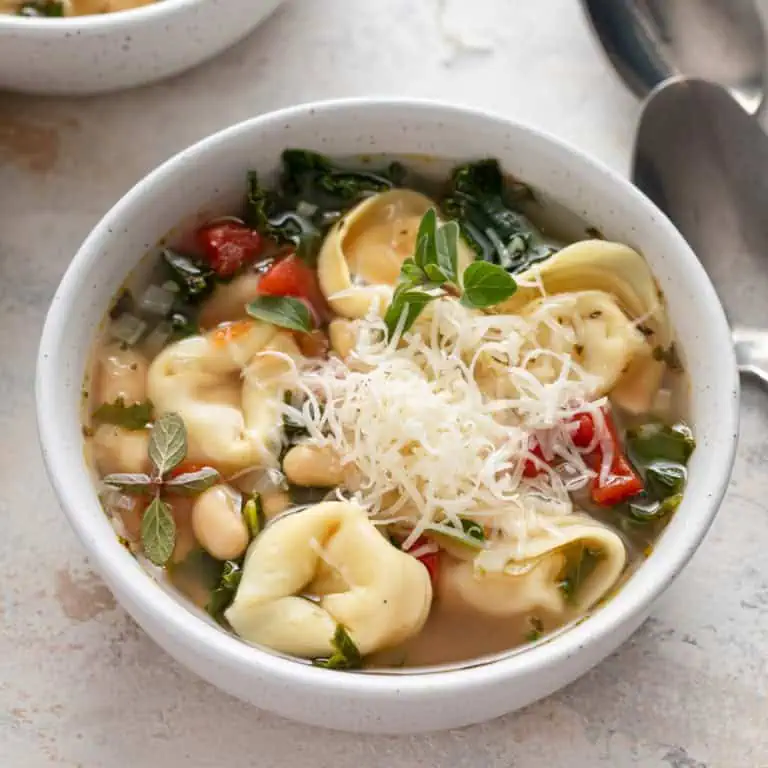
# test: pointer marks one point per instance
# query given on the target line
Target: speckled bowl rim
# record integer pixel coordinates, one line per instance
(224, 650)
(131, 17)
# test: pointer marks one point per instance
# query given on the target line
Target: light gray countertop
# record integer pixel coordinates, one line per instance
(81, 684)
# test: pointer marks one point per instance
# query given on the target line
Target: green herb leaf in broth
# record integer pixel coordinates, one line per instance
(133, 417)
(158, 532)
(485, 285)
(253, 514)
(577, 571)
(192, 483)
(655, 441)
(645, 510)
(194, 280)
(665, 478)
(283, 311)
(536, 630)
(224, 593)
(346, 654)
(167, 443)
(478, 199)
(134, 484)
(44, 8)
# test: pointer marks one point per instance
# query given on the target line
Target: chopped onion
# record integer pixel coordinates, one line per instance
(306, 209)
(127, 328)
(157, 301)
(158, 338)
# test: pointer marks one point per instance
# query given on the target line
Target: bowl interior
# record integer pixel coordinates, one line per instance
(210, 176)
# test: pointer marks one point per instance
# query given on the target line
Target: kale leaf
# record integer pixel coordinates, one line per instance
(477, 198)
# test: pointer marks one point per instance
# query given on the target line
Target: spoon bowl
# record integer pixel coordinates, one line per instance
(650, 41)
(716, 192)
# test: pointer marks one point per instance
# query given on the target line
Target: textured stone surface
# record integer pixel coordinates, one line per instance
(80, 684)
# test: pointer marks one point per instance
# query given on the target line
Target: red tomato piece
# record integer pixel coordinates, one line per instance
(622, 484)
(229, 246)
(430, 560)
(531, 468)
(292, 277)
(584, 432)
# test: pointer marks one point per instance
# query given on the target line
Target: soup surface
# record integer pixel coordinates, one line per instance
(56, 8)
(371, 420)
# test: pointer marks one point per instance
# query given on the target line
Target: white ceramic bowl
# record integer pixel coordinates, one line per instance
(211, 174)
(93, 54)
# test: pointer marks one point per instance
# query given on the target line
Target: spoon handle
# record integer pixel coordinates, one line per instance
(751, 346)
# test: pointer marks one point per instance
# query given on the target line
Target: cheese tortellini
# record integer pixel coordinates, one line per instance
(228, 389)
(590, 328)
(616, 269)
(324, 566)
(361, 256)
(533, 580)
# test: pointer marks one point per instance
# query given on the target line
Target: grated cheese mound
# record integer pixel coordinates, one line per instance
(437, 422)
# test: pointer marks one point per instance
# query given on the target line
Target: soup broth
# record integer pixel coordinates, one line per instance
(371, 419)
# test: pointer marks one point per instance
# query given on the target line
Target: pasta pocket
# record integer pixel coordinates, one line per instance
(332, 553)
(623, 273)
(227, 387)
(588, 328)
(361, 256)
(570, 569)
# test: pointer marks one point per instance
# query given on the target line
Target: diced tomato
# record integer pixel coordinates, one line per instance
(584, 432)
(531, 468)
(229, 246)
(430, 560)
(292, 277)
(622, 482)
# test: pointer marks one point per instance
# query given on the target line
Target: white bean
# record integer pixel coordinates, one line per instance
(218, 523)
(314, 467)
(274, 502)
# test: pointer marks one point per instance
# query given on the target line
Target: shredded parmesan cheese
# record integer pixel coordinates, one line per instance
(441, 419)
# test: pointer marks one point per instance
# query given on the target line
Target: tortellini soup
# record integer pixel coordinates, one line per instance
(370, 420)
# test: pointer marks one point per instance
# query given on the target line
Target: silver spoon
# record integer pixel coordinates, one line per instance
(649, 41)
(697, 155)
(704, 162)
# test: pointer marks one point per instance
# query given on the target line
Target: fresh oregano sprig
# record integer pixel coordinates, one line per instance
(167, 449)
(434, 272)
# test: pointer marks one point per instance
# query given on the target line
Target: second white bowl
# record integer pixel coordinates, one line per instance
(92, 54)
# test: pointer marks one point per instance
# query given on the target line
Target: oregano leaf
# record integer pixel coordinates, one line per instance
(284, 311)
(158, 532)
(167, 443)
(191, 483)
(486, 284)
(132, 483)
